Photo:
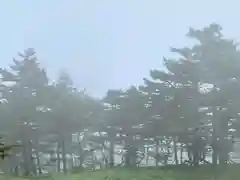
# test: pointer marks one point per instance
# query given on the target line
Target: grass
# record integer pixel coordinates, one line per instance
(168, 173)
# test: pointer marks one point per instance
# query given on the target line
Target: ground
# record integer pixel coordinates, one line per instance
(172, 173)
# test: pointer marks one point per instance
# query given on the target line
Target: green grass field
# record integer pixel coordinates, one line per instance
(175, 173)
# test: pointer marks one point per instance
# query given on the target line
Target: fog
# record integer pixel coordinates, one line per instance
(96, 40)
(117, 86)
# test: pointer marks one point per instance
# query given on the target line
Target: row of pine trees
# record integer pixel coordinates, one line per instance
(192, 106)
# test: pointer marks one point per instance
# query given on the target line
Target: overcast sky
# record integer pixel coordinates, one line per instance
(106, 43)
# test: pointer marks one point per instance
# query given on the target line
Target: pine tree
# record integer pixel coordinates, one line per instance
(174, 95)
(23, 86)
(219, 59)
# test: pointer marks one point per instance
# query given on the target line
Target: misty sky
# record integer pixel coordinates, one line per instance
(106, 43)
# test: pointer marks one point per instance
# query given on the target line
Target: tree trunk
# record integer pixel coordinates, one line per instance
(214, 151)
(175, 150)
(111, 153)
(33, 165)
(181, 154)
(25, 161)
(131, 154)
(93, 160)
(39, 164)
(29, 166)
(214, 137)
(64, 157)
(58, 156)
(223, 138)
(127, 158)
(134, 157)
(146, 154)
(38, 158)
(81, 152)
(157, 153)
(81, 157)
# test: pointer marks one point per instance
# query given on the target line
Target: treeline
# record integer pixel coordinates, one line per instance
(192, 107)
